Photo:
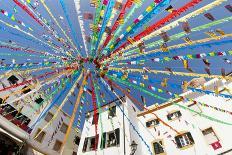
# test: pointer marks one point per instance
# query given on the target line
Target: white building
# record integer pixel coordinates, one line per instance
(114, 134)
(20, 107)
(193, 135)
(197, 135)
(50, 140)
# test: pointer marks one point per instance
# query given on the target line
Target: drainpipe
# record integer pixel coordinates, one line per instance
(124, 141)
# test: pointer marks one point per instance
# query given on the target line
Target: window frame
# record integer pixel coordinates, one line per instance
(47, 116)
(110, 112)
(153, 148)
(36, 139)
(187, 140)
(64, 124)
(150, 120)
(173, 113)
(53, 148)
(209, 133)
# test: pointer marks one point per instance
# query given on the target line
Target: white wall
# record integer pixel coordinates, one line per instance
(89, 130)
(201, 146)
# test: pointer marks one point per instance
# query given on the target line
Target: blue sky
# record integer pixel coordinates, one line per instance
(197, 65)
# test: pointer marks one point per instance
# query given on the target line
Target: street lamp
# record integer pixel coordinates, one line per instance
(133, 147)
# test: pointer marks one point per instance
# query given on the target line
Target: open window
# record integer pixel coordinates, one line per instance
(211, 138)
(13, 79)
(112, 112)
(90, 144)
(152, 123)
(110, 139)
(184, 140)
(39, 100)
(174, 115)
(158, 147)
(93, 143)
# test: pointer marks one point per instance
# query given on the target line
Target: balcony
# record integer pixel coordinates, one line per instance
(11, 116)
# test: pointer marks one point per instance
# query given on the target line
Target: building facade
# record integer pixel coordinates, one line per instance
(176, 131)
(20, 107)
(196, 135)
(114, 134)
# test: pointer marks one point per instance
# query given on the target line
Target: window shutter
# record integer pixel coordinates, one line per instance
(178, 141)
(117, 132)
(190, 137)
(85, 145)
(103, 141)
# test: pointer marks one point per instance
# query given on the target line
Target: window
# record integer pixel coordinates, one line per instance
(93, 143)
(111, 139)
(57, 146)
(194, 107)
(41, 136)
(64, 128)
(24, 119)
(93, 122)
(48, 117)
(85, 145)
(13, 79)
(158, 147)
(39, 100)
(152, 123)
(183, 140)
(77, 140)
(174, 115)
(90, 144)
(210, 135)
(112, 112)
(26, 90)
(74, 153)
